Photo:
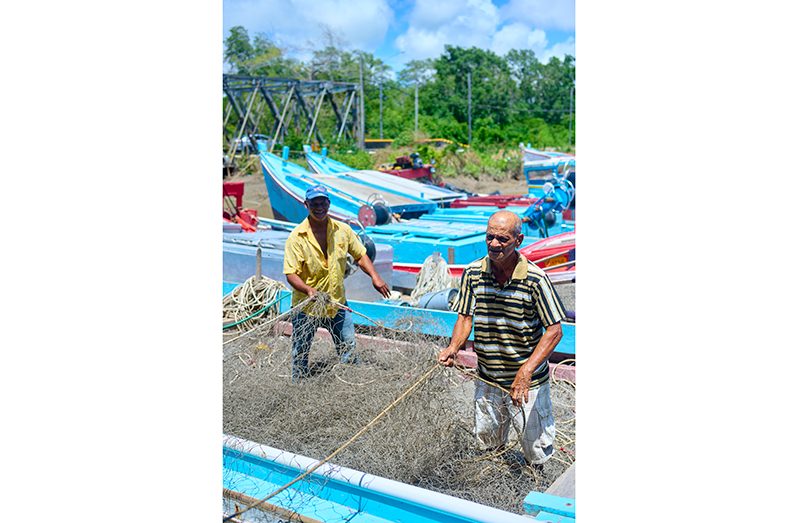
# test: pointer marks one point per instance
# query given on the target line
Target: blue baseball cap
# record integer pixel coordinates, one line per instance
(315, 192)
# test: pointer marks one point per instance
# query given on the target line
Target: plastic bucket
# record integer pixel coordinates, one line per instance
(439, 300)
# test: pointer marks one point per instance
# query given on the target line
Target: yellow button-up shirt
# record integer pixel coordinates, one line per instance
(303, 257)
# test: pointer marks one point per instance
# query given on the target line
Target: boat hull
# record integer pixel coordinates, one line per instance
(380, 180)
(252, 471)
(240, 262)
(552, 251)
(494, 200)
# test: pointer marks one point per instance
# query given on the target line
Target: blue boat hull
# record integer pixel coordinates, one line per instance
(338, 494)
(239, 262)
(457, 234)
(426, 321)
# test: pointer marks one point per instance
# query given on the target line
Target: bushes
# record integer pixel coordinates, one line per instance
(352, 156)
(496, 163)
(403, 139)
(429, 153)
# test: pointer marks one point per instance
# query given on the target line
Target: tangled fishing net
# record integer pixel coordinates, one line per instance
(426, 439)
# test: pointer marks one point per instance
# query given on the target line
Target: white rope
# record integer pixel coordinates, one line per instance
(434, 276)
(249, 297)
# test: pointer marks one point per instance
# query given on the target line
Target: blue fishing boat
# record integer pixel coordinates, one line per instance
(350, 200)
(332, 493)
(245, 254)
(321, 164)
(541, 219)
(552, 198)
(399, 316)
(436, 322)
(542, 166)
(457, 233)
(413, 241)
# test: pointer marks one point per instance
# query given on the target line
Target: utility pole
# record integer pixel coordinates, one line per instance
(380, 110)
(416, 105)
(362, 131)
(469, 107)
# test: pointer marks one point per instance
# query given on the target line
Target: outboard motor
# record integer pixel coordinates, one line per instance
(543, 212)
(382, 212)
(371, 252)
(572, 178)
(368, 243)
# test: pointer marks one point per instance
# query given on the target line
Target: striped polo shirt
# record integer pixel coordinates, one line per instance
(508, 320)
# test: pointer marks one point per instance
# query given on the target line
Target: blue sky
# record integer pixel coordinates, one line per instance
(398, 31)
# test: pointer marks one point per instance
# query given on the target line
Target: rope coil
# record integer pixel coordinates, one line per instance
(434, 276)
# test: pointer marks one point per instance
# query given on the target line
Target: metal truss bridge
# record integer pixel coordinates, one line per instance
(321, 111)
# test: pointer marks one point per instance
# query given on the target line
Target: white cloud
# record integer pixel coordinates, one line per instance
(559, 50)
(546, 14)
(419, 44)
(430, 14)
(298, 24)
(519, 36)
(434, 23)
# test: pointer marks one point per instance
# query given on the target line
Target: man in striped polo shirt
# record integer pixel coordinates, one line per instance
(516, 316)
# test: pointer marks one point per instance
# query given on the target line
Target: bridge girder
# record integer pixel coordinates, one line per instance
(268, 105)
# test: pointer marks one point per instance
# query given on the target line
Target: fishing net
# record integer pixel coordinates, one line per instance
(418, 416)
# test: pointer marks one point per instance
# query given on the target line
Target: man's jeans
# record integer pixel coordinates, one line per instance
(341, 327)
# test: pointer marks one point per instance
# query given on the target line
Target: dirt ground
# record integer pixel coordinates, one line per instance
(255, 195)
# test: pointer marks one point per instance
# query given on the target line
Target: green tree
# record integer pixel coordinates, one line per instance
(237, 48)
(552, 91)
(514, 98)
(417, 71)
(492, 88)
(526, 72)
(259, 56)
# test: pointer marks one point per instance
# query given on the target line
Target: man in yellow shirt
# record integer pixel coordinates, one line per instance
(315, 261)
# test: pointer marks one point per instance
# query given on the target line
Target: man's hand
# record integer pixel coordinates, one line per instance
(462, 328)
(380, 285)
(296, 282)
(365, 263)
(447, 356)
(519, 390)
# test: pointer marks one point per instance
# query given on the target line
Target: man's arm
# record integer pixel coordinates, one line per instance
(462, 328)
(293, 261)
(543, 350)
(297, 283)
(365, 263)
